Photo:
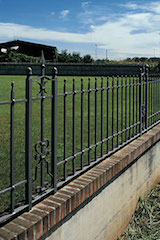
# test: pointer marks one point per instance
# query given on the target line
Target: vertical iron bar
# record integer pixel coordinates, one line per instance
(133, 104)
(158, 97)
(129, 107)
(146, 97)
(155, 98)
(12, 146)
(28, 139)
(101, 116)
(107, 112)
(82, 137)
(152, 100)
(73, 128)
(137, 82)
(140, 101)
(154, 92)
(42, 123)
(117, 110)
(65, 130)
(89, 120)
(112, 113)
(54, 130)
(122, 109)
(95, 118)
(126, 108)
(149, 101)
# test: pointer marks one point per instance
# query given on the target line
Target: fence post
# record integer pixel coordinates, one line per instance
(54, 130)
(28, 139)
(12, 162)
(146, 95)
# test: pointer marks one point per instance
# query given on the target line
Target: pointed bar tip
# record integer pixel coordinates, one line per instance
(42, 60)
(12, 84)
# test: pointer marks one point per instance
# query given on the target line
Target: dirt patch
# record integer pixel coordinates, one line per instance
(145, 223)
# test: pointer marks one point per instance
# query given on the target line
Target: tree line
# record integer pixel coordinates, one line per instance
(11, 55)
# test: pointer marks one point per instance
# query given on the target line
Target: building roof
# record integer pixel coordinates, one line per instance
(30, 48)
(24, 43)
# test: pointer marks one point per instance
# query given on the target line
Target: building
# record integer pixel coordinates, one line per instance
(29, 48)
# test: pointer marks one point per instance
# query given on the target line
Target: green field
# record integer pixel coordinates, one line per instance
(125, 101)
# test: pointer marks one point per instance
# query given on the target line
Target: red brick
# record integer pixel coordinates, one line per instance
(85, 191)
(14, 228)
(101, 174)
(30, 217)
(109, 171)
(42, 206)
(97, 178)
(67, 199)
(38, 228)
(77, 194)
(7, 235)
(123, 156)
(71, 194)
(52, 218)
(44, 215)
(101, 167)
(56, 212)
(115, 167)
(94, 181)
(62, 205)
(28, 225)
(81, 189)
(36, 220)
(88, 182)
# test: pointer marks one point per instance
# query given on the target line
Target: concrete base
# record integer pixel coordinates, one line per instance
(106, 216)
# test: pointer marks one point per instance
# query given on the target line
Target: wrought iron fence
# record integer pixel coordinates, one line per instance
(79, 123)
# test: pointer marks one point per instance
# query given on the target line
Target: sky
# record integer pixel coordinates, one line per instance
(102, 28)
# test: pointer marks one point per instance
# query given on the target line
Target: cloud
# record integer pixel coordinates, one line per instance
(12, 31)
(85, 4)
(135, 32)
(92, 14)
(149, 7)
(64, 13)
(130, 5)
(103, 18)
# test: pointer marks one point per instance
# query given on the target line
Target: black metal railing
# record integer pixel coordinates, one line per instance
(69, 126)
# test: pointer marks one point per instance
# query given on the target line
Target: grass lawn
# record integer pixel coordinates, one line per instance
(120, 102)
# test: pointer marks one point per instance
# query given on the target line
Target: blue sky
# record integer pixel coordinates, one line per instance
(123, 28)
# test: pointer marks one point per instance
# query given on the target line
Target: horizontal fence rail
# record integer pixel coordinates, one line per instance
(58, 128)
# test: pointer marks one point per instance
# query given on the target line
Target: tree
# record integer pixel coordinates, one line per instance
(76, 58)
(87, 59)
(63, 56)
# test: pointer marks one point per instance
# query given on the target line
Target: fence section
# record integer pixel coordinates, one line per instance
(69, 125)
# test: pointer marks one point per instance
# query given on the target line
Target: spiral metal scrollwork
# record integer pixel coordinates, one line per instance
(42, 151)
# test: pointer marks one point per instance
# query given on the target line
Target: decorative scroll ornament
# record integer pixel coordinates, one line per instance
(42, 151)
(42, 147)
(42, 88)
